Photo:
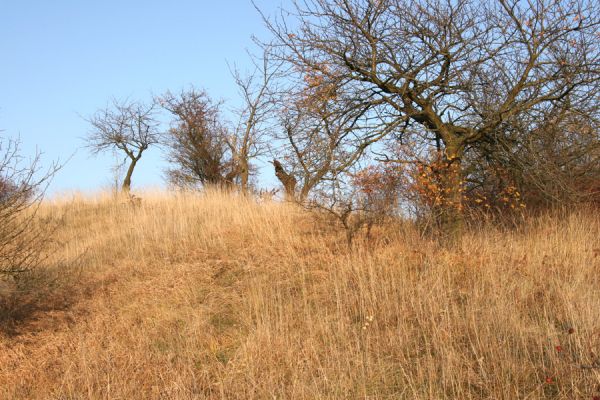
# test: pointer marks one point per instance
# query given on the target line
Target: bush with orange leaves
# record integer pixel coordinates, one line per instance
(431, 184)
(431, 189)
(426, 185)
(498, 194)
(361, 199)
(378, 188)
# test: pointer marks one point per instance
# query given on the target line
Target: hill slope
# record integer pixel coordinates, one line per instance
(214, 296)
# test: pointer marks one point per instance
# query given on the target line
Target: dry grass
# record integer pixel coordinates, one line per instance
(217, 297)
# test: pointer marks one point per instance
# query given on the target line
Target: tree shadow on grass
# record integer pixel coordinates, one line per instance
(27, 300)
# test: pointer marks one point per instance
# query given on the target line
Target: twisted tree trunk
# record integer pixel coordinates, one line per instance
(287, 180)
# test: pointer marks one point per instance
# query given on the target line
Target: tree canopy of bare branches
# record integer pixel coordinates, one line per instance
(451, 74)
(129, 127)
(324, 131)
(255, 116)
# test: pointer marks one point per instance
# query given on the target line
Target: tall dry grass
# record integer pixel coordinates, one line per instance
(215, 296)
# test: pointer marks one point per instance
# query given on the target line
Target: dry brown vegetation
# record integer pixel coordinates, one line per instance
(215, 296)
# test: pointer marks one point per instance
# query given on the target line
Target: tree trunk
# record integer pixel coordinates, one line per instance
(244, 175)
(127, 181)
(287, 180)
(304, 192)
(451, 215)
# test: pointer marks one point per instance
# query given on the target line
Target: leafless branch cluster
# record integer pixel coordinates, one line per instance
(250, 133)
(129, 127)
(358, 199)
(23, 237)
(454, 76)
(552, 160)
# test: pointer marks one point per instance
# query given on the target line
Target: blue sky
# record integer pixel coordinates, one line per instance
(62, 60)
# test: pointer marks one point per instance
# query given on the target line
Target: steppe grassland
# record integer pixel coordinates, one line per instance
(217, 296)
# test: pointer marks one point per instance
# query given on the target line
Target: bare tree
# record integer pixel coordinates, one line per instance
(129, 127)
(455, 72)
(255, 116)
(324, 132)
(197, 141)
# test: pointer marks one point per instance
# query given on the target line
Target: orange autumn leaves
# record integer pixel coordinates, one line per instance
(433, 185)
(320, 85)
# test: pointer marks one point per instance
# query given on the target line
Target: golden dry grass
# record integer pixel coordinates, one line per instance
(214, 296)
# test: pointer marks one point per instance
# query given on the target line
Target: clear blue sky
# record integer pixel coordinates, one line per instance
(64, 59)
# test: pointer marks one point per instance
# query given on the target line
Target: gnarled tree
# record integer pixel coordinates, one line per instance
(129, 127)
(457, 72)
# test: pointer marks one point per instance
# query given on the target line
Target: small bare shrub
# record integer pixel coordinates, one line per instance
(360, 199)
(25, 239)
(23, 236)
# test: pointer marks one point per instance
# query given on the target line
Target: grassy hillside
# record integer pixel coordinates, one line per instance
(216, 296)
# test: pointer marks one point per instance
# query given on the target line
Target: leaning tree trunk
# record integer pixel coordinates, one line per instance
(287, 180)
(126, 188)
